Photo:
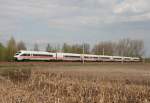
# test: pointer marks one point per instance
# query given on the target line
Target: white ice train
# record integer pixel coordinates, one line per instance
(48, 56)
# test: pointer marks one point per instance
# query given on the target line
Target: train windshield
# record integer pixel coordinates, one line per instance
(17, 53)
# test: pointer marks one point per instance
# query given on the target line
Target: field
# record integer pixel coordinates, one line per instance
(46, 82)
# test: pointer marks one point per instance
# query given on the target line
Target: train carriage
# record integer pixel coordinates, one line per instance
(134, 59)
(88, 57)
(34, 55)
(69, 57)
(117, 58)
(127, 59)
(105, 58)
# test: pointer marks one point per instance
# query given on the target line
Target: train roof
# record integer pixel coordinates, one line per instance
(35, 52)
(91, 55)
(117, 56)
(73, 54)
(105, 56)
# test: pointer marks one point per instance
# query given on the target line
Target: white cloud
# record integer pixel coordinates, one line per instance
(132, 6)
(132, 10)
(71, 13)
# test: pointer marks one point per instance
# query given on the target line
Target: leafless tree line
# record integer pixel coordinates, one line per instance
(123, 47)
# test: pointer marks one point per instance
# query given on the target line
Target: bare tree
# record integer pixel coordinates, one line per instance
(137, 48)
(21, 46)
(36, 47)
(66, 48)
(77, 48)
(106, 48)
(49, 47)
(57, 48)
(128, 47)
(86, 48)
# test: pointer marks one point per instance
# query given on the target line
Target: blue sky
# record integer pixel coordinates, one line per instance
(74, 21)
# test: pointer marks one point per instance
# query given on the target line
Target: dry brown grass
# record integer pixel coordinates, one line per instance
(91, 83)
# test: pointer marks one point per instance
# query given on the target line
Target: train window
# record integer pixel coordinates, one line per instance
(117, 58)
(104, 57)
(86, 57)
(127, 58)
(90, 57)
(50, 55)
(34, 54)
(25, 55)
(45, 55)
(17, 53)
(67, 56)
